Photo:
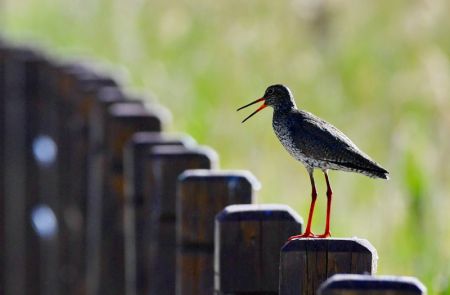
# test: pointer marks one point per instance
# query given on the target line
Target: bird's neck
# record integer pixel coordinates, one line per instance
(285, 108)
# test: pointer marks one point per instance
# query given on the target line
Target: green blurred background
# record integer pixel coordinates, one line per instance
(378, 70)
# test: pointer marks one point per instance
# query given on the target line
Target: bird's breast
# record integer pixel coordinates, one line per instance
(284, 133)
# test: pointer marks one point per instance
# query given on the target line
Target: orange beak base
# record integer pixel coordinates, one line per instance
(257, 110)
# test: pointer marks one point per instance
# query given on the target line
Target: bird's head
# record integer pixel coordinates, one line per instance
(277, 96)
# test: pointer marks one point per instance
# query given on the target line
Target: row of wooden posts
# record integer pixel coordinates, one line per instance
(95, 198)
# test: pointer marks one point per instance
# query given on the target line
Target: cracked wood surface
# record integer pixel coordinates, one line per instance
(307, 263)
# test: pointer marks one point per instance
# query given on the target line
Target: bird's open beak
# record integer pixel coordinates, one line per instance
(257, 110)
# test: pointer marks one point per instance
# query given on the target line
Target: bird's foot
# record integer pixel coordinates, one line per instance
(305, 235)
(327, 234)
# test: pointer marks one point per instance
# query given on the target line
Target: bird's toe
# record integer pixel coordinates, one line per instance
(303, 236)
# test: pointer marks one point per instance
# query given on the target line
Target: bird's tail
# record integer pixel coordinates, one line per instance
(375, 170)
(379, 173)
(368, 168)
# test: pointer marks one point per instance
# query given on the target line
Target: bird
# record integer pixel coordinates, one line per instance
(315, 143)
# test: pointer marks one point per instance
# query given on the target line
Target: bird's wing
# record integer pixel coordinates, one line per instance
(322, 141)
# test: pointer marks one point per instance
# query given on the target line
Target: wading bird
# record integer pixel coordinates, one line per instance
(316, 144)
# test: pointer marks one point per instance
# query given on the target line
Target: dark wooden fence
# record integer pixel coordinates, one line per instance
(96, 198)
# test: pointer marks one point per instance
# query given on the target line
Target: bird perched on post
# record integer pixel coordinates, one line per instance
(316, 144)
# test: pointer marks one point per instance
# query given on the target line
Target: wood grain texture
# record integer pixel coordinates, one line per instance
(164, 165)
(197, 272)
(136, 205)
(123, 120)
(307, 263)
(201, 194)
(248, 239)
(97, 185)
(351, 284)
(80, 87)
(103, 197)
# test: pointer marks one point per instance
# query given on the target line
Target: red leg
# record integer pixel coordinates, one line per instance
(327, 233)
(308, 233)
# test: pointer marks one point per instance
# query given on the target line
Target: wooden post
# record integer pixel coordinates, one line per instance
(123, 120)
(3, 51)
(45, 156)
(78, 92)
(22, 242)
(306, 263)
(347, 284)
(48, 151)
(201, 195)
(59, 89)
(97, 182)
(163, 167)
(248, 239)
(136, 204)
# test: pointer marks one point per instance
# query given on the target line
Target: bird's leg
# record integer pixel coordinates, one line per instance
(327, 233)
(308, 233)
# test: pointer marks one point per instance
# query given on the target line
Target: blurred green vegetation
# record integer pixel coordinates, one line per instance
(378, 70)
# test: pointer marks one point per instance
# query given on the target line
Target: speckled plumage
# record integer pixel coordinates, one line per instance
(318, 144)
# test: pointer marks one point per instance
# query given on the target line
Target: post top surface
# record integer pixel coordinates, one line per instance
(221, 175)
(355, 282)
(331, 245)
(132, 110)
(178, 151)
(109, 94)
(244, 212)
(149, 138)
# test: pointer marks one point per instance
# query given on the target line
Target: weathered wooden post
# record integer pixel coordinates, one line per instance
(77, 89)
(307, 263)
(348, 284)
(54, 132)
(45, 152)
(64, 79)
(121, 122)
(3, 50)
(52, 149)
(137, 207)
(248, 239)
(164, 166)
(88, 86)
(106, 97)
(201, 195)
(23, 233)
